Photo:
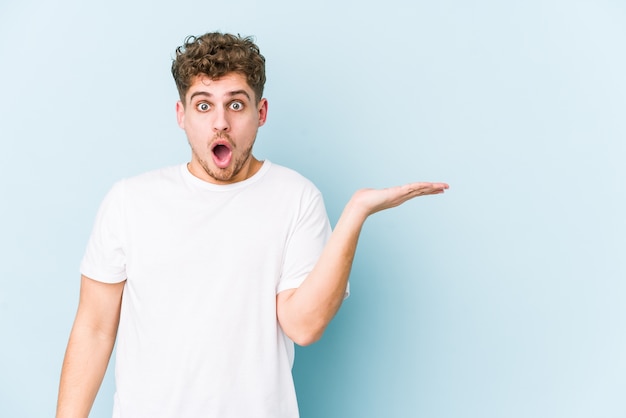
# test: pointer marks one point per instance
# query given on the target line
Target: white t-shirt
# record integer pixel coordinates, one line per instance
(198, 334)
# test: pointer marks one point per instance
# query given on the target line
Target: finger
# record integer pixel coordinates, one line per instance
(427, 190)
(429, 187)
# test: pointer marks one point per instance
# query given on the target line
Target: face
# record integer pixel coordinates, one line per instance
(221, 118)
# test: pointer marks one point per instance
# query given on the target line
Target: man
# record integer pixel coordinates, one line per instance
(206, 273)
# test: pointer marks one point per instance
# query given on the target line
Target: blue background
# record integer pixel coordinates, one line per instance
(502, 298)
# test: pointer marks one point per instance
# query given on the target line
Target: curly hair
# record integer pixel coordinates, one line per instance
(216, 54)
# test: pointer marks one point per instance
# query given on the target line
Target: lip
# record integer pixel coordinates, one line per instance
(222, 153)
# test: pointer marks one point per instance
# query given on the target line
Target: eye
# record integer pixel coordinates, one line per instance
(236, 106)
(203, 106)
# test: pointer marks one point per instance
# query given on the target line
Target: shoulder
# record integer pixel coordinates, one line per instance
(161, 178)
(289, 189)
(287, 177)
(149, 183)
(171, 173)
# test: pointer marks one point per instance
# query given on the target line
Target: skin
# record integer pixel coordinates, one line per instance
(90, 346)
(305, 312)
(221, 118)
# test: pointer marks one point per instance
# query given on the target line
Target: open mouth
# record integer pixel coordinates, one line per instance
(221, 152)
(222, 155)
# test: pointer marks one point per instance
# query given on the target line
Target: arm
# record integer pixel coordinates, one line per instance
(89, 347)
(305, 312)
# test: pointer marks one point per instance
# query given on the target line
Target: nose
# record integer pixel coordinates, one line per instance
(221, 122)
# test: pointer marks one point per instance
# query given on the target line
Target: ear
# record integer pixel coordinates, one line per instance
(180, 114)
(262, 111)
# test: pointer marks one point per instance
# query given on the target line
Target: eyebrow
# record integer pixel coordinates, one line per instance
(230, 93)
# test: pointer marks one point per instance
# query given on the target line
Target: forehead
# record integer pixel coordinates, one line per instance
(223, 86)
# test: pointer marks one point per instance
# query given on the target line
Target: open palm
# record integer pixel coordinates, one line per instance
(375, 200)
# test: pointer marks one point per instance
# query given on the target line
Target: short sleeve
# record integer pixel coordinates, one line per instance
(305, 244)
(105, 257)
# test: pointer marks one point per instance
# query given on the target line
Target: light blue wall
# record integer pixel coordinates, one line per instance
(502, 298)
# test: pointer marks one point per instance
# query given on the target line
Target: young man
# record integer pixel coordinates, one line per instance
(206, 273)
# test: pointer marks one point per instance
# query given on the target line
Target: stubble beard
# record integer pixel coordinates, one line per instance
(230, 172)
